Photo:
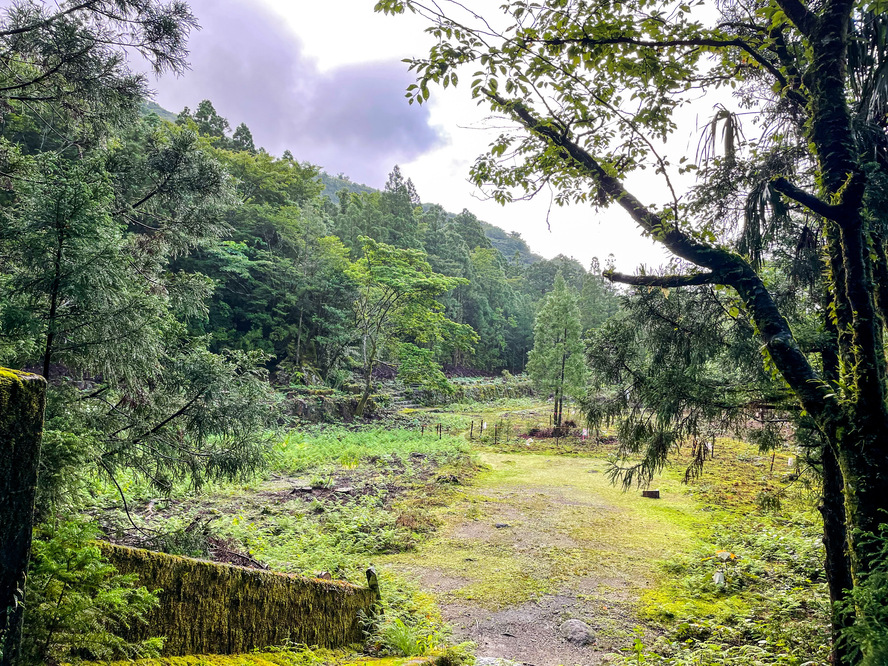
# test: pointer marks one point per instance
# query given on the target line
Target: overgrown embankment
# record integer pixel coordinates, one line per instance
(208, 608)
(473, 390)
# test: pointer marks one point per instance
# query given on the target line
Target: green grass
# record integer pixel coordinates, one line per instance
(410, 500)
(564, 522)
(315, 448)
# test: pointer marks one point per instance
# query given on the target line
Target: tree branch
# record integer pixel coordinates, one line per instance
(666, 43)
(694, 279)
(852, 195)
(47, 21)
(809, 201)
(802, 17)
(731, 269)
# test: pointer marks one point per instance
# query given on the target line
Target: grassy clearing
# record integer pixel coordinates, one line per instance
(564, 521)
(750, 508)
(339, 498)
(334, 498)
(338, 447)
(752, 591)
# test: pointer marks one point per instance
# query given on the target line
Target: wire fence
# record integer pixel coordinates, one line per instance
(516, 430)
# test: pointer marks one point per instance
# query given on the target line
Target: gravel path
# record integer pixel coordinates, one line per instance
(539, 541)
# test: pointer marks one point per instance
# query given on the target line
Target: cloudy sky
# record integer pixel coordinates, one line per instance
(325, 80)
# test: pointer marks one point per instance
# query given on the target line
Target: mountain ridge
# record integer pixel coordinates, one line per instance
(508, 244)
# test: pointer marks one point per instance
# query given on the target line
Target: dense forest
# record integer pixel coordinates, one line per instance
(173, 282)
(180, 254)
(177, 289)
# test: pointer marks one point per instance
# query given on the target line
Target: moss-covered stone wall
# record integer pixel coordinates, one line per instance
(476, 392)
(22, 398)
(208, 608)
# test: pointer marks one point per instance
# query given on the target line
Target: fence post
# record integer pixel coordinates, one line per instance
(471, 430)
(22, 400)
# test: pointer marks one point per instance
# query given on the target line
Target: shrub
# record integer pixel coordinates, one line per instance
(76, 600)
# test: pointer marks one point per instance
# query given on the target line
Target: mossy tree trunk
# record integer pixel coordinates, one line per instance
(22, 399)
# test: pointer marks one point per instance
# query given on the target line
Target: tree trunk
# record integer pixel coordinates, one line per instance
(53, 305)
(560, 395)
(22, 399)
(836, 565)
(864, 464)
(365, 396)
(369, 362)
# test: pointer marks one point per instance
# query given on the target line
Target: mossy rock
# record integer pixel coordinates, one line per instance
(22, 398)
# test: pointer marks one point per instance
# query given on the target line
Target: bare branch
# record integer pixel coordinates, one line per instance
(694, 279)
(809, 201)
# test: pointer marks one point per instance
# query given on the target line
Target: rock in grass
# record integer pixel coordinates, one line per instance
(577, 632)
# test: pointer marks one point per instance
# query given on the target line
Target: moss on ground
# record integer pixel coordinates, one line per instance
(280, 658)
(560, 519)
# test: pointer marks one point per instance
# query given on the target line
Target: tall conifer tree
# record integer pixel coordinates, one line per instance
(556, 362)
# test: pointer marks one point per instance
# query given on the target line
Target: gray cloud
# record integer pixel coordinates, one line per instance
(353, 119)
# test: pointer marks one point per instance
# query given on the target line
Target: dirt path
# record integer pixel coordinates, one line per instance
(539, 540)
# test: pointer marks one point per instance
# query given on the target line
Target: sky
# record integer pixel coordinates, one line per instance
(326, 81)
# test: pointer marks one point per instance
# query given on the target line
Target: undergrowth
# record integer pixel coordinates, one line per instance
(332, 499)
(753, 592)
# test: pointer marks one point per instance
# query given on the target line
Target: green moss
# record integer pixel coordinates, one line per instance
(23, 387)
(280, 658)
(221, 609)
(22, 398)
(563, 523)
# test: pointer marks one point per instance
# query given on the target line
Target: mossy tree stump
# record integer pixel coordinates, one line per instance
(22, 399)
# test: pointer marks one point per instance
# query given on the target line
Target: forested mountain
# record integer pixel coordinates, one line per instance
(282, 280)
(510, 245)
(334, 184)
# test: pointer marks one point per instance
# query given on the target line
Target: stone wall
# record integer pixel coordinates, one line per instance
(22, 399)
(208, 608)
(476, 392)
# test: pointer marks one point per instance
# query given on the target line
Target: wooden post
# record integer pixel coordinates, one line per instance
(22, 400)
(495, 430)
(422, 431)
(373, 584)
(471, 430)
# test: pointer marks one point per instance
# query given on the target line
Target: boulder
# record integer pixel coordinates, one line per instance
(577, 632)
